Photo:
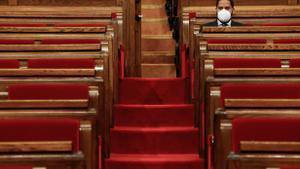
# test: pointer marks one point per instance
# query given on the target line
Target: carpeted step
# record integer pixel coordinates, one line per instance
(157, 140)
(153, 91)
(157, 161)
(154, 115)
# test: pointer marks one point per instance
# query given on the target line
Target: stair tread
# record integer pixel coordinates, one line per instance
(155, 157)
(154, 129)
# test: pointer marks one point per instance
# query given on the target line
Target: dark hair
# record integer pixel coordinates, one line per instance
(231, 3)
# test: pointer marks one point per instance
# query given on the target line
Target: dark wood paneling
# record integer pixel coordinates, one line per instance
(3, 2)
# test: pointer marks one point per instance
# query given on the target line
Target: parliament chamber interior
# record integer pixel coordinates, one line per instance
(149, 84)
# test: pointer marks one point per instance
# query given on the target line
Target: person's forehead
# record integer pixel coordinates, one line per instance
(224, 3)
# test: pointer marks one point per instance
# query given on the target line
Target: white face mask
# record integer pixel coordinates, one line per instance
(224, 16)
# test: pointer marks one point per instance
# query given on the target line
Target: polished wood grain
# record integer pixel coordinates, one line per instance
(43, 103)
(36, 146)
(269, 146)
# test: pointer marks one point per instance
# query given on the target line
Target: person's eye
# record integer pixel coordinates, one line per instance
(227, 8)
(220, 8)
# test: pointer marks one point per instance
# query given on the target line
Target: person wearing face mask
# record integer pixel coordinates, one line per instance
(224, 14)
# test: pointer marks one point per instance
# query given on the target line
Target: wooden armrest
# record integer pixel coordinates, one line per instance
(256, 71)
(47, 72)
(36, 146)
(43, 103)
(262, 102)
(270, 146)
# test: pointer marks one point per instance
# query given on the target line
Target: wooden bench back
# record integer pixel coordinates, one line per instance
(194, 17)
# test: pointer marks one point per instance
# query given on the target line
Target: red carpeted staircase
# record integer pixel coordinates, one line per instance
(154, 126)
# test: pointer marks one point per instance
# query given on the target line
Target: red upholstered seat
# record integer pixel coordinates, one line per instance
(246, 63)
(16, 41)
(70, 41)
(16, 167)
(236, 41)
(48, 91)
(40, 130)
(9, 63)
(294, 63)
(259, 91)
(285, 41)
(61, 63)
(264, 129)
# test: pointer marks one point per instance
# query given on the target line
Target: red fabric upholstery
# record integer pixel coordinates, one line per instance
(294, 63)
(48, 91)
(246, 63)
(23, 25)
(80, 25)
(192, 15)
(284, 41)
(236, 41)
(264, 129)
(16, 41)
(280, 24)
(61, 63)
(153, 91)
(122, 63)
(256, 91)
(40, 130)
(15, 167)
(70, 41)
(184, 62)
(113, 15)
(9, 63)
(292, 167)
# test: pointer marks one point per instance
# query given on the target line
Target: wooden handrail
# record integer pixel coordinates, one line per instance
(44, 103)
(36, 146)
(270, 146)
(256, 71)
(47, 72)
(262, 103)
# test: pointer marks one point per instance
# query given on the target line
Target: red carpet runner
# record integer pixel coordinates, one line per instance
(154, 126)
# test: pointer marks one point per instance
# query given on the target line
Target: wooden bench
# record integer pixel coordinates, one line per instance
(40, 99)
(194, 17)
(249, 99)
(52, 143)
(264, 148)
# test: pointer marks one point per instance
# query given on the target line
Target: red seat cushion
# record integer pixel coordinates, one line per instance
(61, 63)
(294, 63)
(15, 167)
(236, 41)
(9, 63)
(285, 41)
(70, 41)
(264, 129)
(48, 91)
(40, 130)
(16, 41)
(259, 91)
(246, 63)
